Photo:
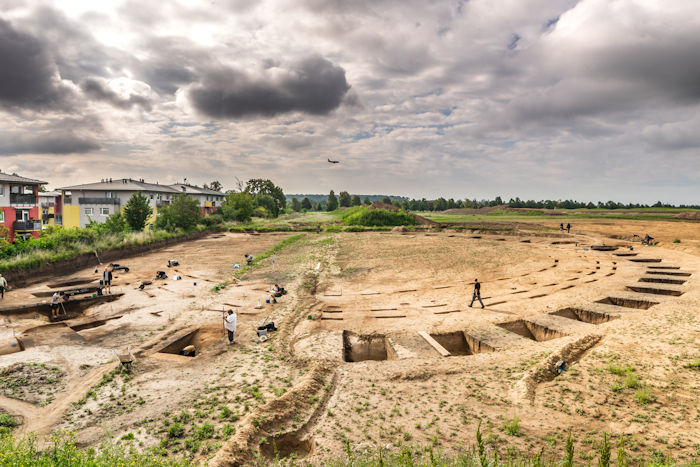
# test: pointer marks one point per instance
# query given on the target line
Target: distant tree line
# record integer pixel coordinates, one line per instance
(345, 199)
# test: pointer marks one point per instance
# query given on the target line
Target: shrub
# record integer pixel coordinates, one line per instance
(676, 240)
(176, 430)
(182, 213)
(7, 421)
(644, 396)
(631, 381)
(512, 427)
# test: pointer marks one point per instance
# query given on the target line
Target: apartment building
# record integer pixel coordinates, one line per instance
(209, 200)
(19, 205)
(96, 201)
(50, 203)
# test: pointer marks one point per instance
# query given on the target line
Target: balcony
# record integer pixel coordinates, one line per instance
(98, 201)
(16, 198)
(47, 216)
(47, 204)
(26, 226)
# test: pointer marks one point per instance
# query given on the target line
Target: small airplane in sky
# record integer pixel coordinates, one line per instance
(333, 162)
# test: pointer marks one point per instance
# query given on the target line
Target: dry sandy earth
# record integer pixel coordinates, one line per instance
(367, 368)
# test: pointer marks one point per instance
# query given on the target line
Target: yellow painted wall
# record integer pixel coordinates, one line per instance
(71, 216)
(52, 210)
(207, 204)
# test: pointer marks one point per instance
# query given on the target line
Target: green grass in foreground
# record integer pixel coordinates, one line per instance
(62, 451)
(246, 268)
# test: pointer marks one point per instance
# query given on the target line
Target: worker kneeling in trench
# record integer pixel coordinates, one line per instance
(189, 351)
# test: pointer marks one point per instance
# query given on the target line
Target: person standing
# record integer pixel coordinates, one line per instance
(107, 279)
(54, 305)
(3, 286)
(230, 322)
(477, 293)
(568, 228)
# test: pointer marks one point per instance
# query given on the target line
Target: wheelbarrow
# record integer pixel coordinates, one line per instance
(126, 359)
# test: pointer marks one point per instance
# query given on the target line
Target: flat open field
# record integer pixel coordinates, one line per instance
(377, 346)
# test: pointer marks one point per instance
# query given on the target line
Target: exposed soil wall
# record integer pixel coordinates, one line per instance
(24, 277)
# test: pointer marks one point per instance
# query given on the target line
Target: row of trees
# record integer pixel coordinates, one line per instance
(344, 199)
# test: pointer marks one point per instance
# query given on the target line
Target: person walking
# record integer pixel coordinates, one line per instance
(568, 228)
(55, 298)
(3, 287)
(107, 279)
(477, 293)
(230, 322)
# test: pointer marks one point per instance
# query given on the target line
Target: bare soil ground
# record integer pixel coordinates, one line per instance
(377, 346)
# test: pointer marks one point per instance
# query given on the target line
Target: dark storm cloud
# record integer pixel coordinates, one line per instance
(170, 63)
(97, 90)
(63, 144)
(28, 75)
(314, 86)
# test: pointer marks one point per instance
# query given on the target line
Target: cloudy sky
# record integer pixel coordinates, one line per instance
(591, 100)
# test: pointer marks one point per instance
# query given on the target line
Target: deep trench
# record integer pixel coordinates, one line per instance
(654, 290)
(461, 343)
(530, 330)
(587, 316)
(358, 348)
(662, 280)
(628, 302)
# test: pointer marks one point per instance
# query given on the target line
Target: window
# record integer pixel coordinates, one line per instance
(88, 211)
(2, 190)
(104, 211)
(2, 216)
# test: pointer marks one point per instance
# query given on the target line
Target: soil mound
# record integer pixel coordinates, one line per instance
(688, 215)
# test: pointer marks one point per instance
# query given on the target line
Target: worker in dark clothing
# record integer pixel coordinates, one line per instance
(568, 228)
(477, 293)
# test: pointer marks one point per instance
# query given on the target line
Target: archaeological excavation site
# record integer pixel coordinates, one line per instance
(376, 345)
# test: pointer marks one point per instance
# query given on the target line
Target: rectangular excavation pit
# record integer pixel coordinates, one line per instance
(645, 260)
(662, 280)
(670, 273)
(358, 348)
(654, 290)
(201, 338)
(663, 267)
(587, 316)
(530, 330)
(628, 302)
(460, 343)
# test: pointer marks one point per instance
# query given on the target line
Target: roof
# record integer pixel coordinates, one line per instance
(122, 184)
(196, 189)
(49, 194)
(18, 179)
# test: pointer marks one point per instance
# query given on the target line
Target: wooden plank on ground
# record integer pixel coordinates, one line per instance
(441, 350)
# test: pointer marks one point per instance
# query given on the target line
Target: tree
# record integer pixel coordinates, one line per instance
(332, 202)
(319, 206)
(386, 200)
(238, 207)
(367, 201)
(296, 205)
(215, 185)
(268, 203)
(355, 201)
(344, 199)
(115, 223)
(137, 211)
(306, 204)
(259, 186)
(182, 213)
